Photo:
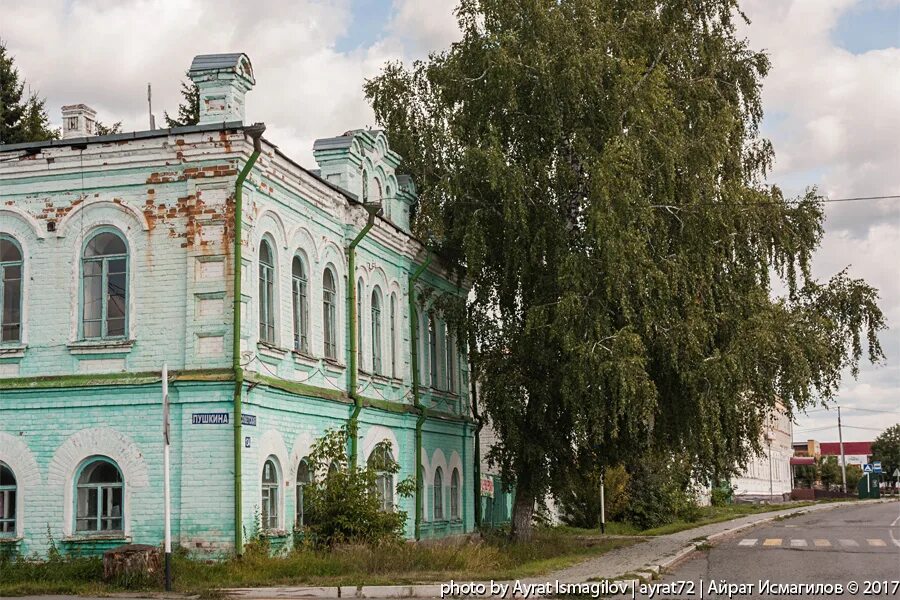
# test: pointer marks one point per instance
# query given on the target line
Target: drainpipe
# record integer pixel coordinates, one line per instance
(254, 131)
(414, 349)
(374, 209)
(479, 423)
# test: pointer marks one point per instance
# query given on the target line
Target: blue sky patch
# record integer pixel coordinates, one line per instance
(367, 25)
(870, 25)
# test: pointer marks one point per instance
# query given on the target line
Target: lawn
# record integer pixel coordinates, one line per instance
(707, 515)
(494, 558)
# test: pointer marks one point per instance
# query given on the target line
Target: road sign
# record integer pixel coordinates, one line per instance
(867, 469)
(876, 466)
(897, 473)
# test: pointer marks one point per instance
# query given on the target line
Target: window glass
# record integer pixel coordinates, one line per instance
(329, 301)
(380, 460)
(300, 305)
(376, 331)
(99, 504)
(8, 491)
(269, 500)
(104, 287)
(10, 291)
(266, 293)
(438, 494)
(303, 478)
(454, 494)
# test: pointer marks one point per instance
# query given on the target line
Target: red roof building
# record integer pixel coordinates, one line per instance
(850, 448)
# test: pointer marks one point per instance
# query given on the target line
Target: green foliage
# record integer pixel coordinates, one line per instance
(829, 472)
(806, 475)
(103, 129)
(596, 170)
(188, 109)
(722, 494)
(341, 503)
(661, 491)
(23, 118)
(580, 501)
(854, 474)
(886, 448)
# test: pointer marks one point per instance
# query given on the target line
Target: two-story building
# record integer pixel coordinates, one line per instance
(284, 302)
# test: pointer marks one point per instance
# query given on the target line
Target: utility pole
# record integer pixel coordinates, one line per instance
(843, 460)
(602, 503)
(771, 487)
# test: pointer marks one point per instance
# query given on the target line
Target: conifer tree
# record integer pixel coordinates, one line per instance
(23, 118)
(189, 109)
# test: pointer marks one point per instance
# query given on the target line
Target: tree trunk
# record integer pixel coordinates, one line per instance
(131, 562)
(523, 509)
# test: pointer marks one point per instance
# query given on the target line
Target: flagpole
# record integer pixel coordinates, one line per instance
(166, 493)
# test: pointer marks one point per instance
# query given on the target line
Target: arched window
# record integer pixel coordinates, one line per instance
(394, 335)
(269, 499)
(300, 305)
(303, 479)
(365, 186)
(266, 293)
(388, 200)
(359, 315)
(329, 307)
(438, 494)
(376, 331)
(104, 287)
(381, 460)
(10, 291)
(454, 495)
(100, 505)
(7, 501)
(433, 351)
(450, 356)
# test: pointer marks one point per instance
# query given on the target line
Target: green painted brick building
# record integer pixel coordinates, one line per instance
(118, 254)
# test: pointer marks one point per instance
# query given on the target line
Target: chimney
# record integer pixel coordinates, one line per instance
(79, 120)
(223, 80)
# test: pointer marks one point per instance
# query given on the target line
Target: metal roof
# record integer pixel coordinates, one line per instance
(118, 137)
(206, 62)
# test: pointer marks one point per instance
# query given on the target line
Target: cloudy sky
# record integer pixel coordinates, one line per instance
(831, 105)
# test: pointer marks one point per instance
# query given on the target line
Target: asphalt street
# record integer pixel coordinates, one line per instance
(837, 549)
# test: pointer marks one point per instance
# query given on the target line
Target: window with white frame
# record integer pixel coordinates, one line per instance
(266, 293)
(433, 351)
(359, 328)
(104, 287)
(376, 331)
(8, 491)
(303, 479)
(450, 356)
(438, 494)
(329, 313)
(299, 295)
(454, 495)
(99, 505)
(10, 290)
(393, 342)
(269, 500)
(381, 461)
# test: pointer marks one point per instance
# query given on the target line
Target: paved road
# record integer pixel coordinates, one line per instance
(850, 544)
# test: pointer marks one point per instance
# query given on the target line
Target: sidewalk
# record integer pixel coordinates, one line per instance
(648, 557)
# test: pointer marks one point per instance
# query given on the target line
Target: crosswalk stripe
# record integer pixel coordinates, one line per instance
(876, 542)
(747, 542)
(849, 543)
(822, 543)
(772, 542)
(798, 543)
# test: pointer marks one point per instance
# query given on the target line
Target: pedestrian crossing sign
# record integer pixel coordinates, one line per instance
(867, 468)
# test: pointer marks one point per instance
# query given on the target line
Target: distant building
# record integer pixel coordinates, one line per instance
(768, 477)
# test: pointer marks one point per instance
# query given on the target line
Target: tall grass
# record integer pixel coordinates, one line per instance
(399, 563)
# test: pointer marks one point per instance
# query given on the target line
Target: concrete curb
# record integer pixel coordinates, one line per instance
(433, 590)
